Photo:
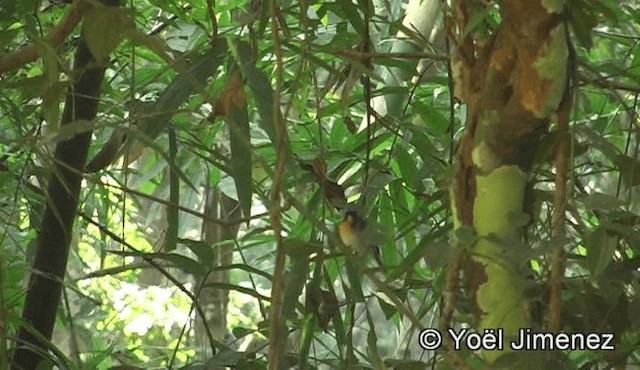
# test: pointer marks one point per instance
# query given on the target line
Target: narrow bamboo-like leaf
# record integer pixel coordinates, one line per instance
(306, 333)
(184, 263)
(200, 248)
(240, 138)
(156, 118)
(245, 268)
(372, 341)
(355, 281)
(298, 275)
(190, 81)
(171, 239)
(385, 232)
(54, 89)
(145, 140)
(351, 13)
(262, 93)
(601, 201)
(600, 248)
(297, 248)
(108, 154)
(224, 358)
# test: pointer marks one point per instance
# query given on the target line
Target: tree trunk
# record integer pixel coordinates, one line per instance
(45, 284)
(512, 83)
(215, 301)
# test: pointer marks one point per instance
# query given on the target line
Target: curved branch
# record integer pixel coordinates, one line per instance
(29, 53)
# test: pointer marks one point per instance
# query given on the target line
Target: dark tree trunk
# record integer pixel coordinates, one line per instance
(45, 284)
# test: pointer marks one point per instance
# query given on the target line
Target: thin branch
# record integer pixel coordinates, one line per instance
(604, 82)
(276, 341)
(558, 223)
(149, 260)
(365, 56)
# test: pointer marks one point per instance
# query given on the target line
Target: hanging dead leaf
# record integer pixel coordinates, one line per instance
(334, 194)
(323, 304)
(320, 167)
(232, 95)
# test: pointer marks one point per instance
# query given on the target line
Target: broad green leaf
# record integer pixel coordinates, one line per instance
(6, 37)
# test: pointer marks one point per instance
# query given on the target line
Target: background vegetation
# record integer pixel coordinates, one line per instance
(226, 135)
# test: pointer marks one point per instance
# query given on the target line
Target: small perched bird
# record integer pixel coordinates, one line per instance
(355, 234)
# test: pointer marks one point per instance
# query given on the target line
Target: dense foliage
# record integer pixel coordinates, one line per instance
(228, 132)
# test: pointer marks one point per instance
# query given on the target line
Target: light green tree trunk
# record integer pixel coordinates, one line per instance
(512, 83)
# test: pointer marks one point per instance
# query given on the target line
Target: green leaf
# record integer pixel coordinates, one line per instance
(602, 202)
(189, 81)
(173, 219)
(466, 236)
(629, 169)
(298, 248)
(7, 36)
(476, 19)
(298, 273)
(261, 91)
(388, 309)
(184, 263)
(600, 247)
(226, 357)
(351, 13)
(408, 167)
(240, 332)
(201, 249)
(241, 164)
(582, 21)
(597, 141)
(51, 103)
(372, 343)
